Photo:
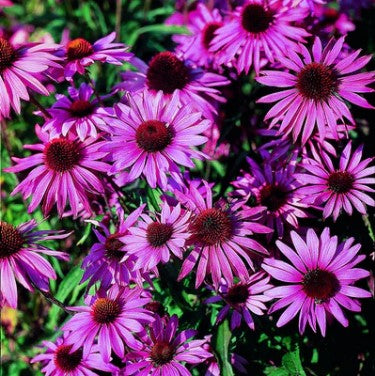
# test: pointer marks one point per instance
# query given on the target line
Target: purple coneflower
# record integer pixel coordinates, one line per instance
(114, 317)
(79, 114)
(321, 277)
(273, 188)
(338, 188)
(64, 170)
(80, 53)
(154, 239)
(169, 74)
(20, 258)
(20, 69)
(165, 353)
(59, 360)
(195, 47)
(258, 28)
(219, 236)
(158, 136)
(105, 262)
(242, 298)
(317, 90)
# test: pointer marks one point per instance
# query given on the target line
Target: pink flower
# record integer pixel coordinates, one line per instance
(80, 54)
(258, 28)
(20, 258)
(242, 298)
(195, 47)
(165, 353)
(108, 262)
(114, 317)
(59, 360)
(220, 238)
(272, 186)
(338, 188)
(317, 90)
(158, 135)
(80, 115)
(153, 240)
(20, 69)
(64, 170)
(168, 73)
(321, 274)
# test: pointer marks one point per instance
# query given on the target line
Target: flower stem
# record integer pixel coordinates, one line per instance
(36, 103)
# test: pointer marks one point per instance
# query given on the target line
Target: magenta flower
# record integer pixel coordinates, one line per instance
(317, 90)
(338, 188)
(80, 54)
(171, 75)
(219, 236)
(64, 170)
(242, 298)
(20, 258)
(114, 317)
(273, 187)
(105, 262)
(20, 70)
(321, 277)
(59, 360)
(258, 28)
(80, 115)
(5, 3)
(158, 135)
(165, 353)
(195, 47)
(154, 239)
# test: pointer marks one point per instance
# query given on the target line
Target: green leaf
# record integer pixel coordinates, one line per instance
(221, 343)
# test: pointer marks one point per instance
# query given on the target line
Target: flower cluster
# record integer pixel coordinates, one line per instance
(135, 164)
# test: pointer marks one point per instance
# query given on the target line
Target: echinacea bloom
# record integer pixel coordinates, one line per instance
(5, 3)
(273, 187)
(316, 90)
(243, 298)
(320, 274)
(64, 170)
(20, 70)
(258, 28)
(338, 188)
(154, 239)
(80, 114)
(220, 238)
(114, 317)
(169, 74)
(195, 47)
(166, 353)
(59, 360)
(158, 135)
(21, 260)
(105, 261)
(80, 54)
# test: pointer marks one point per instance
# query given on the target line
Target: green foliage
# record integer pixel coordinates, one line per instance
(291, 366)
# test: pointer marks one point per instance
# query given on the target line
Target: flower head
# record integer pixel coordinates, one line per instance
(321, 273)
(169, 74)
(316, 89)
(219, 236)
(159, 135)
(154, 239)
(114, 317)
(243, 298)
(165, 353)
(60, 360)
(80, 54)
(21, 260)
(339, 188)
(63, 170)
(20, 70)
(108, 261)
(79, 114)
(258, 28)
